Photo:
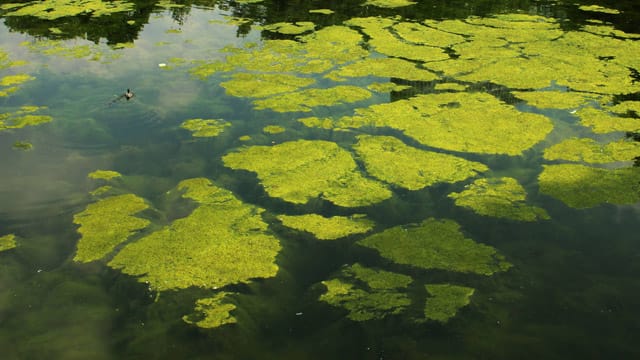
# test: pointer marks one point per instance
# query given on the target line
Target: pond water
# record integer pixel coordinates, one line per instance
(319, 179)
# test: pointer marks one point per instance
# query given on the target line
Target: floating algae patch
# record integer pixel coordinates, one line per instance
(602, 121)
(467, 122)
(590, 151)
(625, 107)
(55, 9)
(322, 11)
(107, 223)
(212, 312)
(555, 99)
(205, 127)
(273, 129)
(385, 42)
(387, 87)
(331, 228)
(424, 35)
(598, 8)
(445, 301)
(366, 293)
(7, 242)
(436, 244)
(223, 241)
(389, 3)
(104, 175)
(581, 186)
(316, 122)
(22, 145)
(390, 160)
(290, 28)
(499, 197)
(298, 171)
(306, 100)
(11, 80)
(263, 85)
(65, 49)
(23, 117)
(533, 52)
(383, 67)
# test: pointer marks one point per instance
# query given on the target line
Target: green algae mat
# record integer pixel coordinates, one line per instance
(383, 178)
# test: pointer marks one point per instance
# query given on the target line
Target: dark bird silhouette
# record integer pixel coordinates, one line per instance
(127, 96)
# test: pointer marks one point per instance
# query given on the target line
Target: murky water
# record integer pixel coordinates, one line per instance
(570, 289)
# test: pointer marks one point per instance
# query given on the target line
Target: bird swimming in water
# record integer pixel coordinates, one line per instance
(128, 95)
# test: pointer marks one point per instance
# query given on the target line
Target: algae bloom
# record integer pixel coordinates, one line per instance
(106, 224)
(436, 244)
(298, 171)
(205, 127)
(223, 241)
(445, 301)
(331, 228)
(7, 242)
(367, 293)
(390, 160)
(212, 312)
(502, 197)
(581, 186)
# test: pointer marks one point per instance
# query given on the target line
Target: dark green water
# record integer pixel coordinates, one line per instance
(573, 291)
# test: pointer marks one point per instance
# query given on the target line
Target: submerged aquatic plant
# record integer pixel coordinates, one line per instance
(205, 127)
(22, 145)
(7, 242)
(212, 312)
(298, 171)
(436, 244)
(331, 228)
(445, 301)
(381, 295)
(581, 186)
(104, 175)
(499, 197)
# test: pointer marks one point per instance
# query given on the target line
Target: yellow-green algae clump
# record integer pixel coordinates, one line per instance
(499, 197)
(298, 171)
(7, 242)
(305, 100)
(581, 186)
(367, 293)
(389, 3)
(273, 129)
(602, 121)
(445, 301)
(104, 175)
(205, 127)
(223, 241)
(263, 85)
(555, 99)
(212, 312)
(598, 8)
(532, 52)
(107, 223)
(23, 117)
(390, 160)
(331, 228)
(290, 28)
(467, 122)
(590, 151)
(55, 9)
(436, 244)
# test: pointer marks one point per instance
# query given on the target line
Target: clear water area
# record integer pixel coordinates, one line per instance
(572, 291)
